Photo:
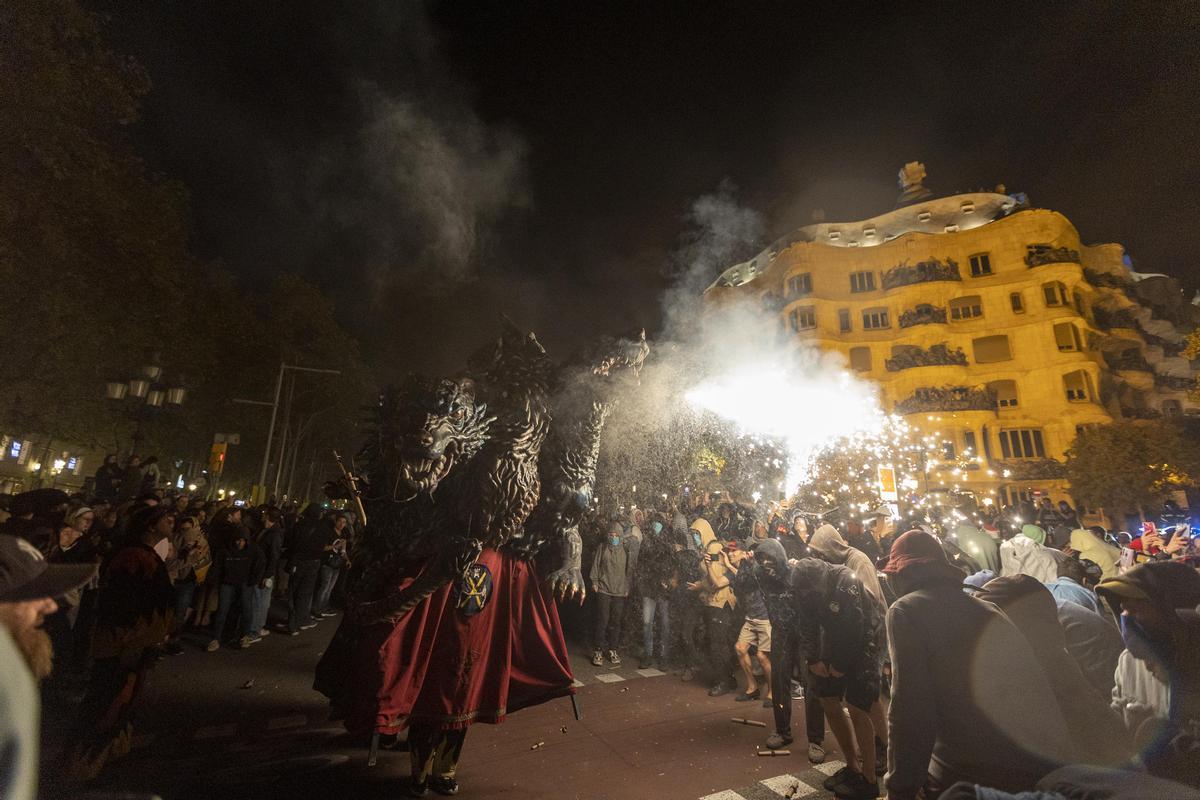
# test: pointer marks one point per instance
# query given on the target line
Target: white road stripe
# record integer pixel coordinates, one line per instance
(609, 677)
(788, 786)
(650, 672)
(830, 767)
(728, 794)
(577, 683)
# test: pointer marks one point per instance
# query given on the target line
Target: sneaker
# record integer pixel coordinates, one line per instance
(613, 658)
(746, 697)
(293, 633)
(857, 787)
(837, 779)
(660, 664)
(415, 789)
(263, 632)
(334, 614)
(718, 690)
(816, 752)
(597, 658)
(687, 675)
(213, 646)
(246, 641)
(797, 690)
(173, 648)
(446, 786)
(645, 662)
(777, 741)
(308, 626)
(768, 702)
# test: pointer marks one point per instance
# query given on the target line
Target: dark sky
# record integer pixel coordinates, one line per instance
(434, 165)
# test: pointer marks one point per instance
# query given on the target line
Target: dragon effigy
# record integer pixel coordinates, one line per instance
(473, 488)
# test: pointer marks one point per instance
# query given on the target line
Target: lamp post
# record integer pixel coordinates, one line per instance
(144, 391)
(262, 475)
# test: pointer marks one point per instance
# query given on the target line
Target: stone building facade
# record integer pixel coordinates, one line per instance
(984, 321)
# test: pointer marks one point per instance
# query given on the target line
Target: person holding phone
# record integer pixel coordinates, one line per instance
(718, 609)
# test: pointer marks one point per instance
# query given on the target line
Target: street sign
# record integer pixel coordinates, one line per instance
(887, 484)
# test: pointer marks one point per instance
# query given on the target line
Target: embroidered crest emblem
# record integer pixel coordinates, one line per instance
(473, 590)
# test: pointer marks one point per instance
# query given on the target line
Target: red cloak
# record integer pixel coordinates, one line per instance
(439, 668)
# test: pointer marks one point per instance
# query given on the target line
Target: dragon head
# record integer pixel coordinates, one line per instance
(613, 355)
(426, 428)
(514, 364)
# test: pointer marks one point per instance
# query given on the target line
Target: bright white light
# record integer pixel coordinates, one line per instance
(756, 496)
(806, 406)
(191, 487)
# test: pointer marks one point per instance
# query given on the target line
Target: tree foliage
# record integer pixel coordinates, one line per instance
(1131, 466)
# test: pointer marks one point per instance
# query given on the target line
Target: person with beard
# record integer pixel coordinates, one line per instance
(134, 614)
(28, 586)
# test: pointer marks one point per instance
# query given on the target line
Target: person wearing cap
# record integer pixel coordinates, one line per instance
(28, 586)
(134, 616)
(718, 609)
(875, 538)
(1156, 607)
(969, 698)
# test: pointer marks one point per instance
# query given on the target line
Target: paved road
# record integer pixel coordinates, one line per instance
(236, 724)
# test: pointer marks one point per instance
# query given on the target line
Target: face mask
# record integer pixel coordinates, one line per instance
(657, 527)
(1137, 640)
(696, 539)
(614, 540)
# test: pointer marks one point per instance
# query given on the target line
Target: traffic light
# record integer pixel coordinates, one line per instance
(216, 459)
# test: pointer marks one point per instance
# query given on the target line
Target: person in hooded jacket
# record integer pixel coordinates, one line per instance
(306, 547)
(1089, 546)
(841, 633)
(1032, 609)
(1026, 554)
(774, 578)
(969, 698)
(237, 569)
(718, 610)
(828, 545)
(685, 609)
(654, 576)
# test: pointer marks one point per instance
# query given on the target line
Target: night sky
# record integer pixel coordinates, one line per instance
(432, 166)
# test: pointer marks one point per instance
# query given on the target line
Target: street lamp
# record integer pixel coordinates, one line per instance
(144, 391)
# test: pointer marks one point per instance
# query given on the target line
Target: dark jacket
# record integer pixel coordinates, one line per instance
(310, 539)
(656, 565)
(271, 542)
(839, 622)
(105, 485)
(243, 567)
(747, 591)
(1094, 643)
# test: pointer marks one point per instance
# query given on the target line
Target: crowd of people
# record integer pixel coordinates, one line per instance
(998, 651)
(150, 575)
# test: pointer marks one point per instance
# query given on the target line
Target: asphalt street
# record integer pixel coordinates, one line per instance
(247, 724)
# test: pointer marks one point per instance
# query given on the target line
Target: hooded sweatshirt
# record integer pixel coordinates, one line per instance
(839, 623)
(1089, 546)
(1022, 555)
(716, 592)
(828, 543)
(612, 567)
(979, 546)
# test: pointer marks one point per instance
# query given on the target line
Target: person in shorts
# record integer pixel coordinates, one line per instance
(841, 628)
(754, 639)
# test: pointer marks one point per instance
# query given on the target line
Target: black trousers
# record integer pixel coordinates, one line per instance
(301, 588)
(785, 655)
(687, 631)
(721, 626)
(607, 633)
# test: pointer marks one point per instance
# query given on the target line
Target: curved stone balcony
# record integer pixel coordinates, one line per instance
(1026, 469)
(948, 398)
(1109, 318)
(924, 314)
(931, 269)
(1039, 254)
(1129, 360)
(937, 355)
(1177, 383)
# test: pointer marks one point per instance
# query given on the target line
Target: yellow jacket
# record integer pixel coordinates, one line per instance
(715, 580)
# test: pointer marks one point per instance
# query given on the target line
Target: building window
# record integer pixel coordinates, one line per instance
(966, 308)
(948, 453)
(799, 285)
(868, 232)
(803, 319)
(844, 320)
(969, 445)
(875, 318)
(1018, 303)
(1079, 306)
(1078, 385)
(1022, 443)
(951, 229)
(1055, 294)
(860, 359)
(835, 235)
(968, 208)
(981, 264)
(989, 349)
(1066, 336)
(1172, 408)
(862, 281)
(1006, 393)
(924, 216)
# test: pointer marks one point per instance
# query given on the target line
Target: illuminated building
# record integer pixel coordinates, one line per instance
(986, 323)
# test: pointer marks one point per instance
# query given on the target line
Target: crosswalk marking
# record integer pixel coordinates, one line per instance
(609, 677)
(577, 683)
(830, 767)
(788, 786)
(650, 672)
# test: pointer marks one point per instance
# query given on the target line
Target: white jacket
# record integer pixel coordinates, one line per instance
(1138, 695)
(1021, 555)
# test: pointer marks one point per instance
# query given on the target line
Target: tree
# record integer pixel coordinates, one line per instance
(1131, 466)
